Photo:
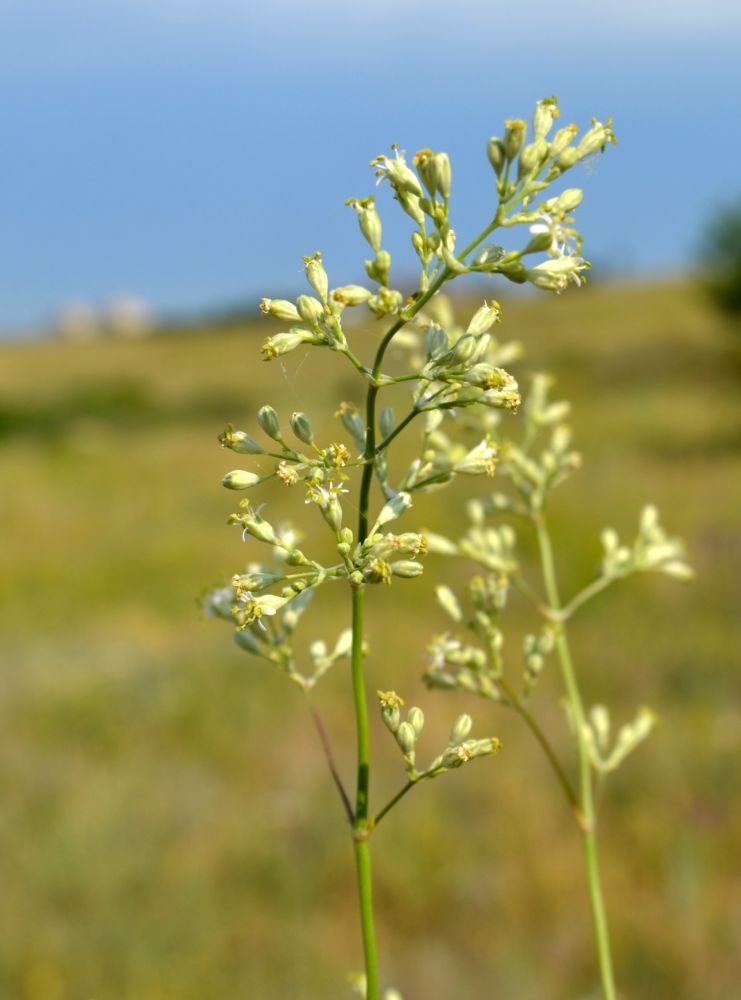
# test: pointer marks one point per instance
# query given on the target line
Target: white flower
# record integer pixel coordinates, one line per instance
(564, 240)
(321, 495)
(556, 274)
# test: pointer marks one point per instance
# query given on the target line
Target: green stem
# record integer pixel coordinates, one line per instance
(397, 430)
(545, 745)
(390, 805)
(361, 830)
(588, 826)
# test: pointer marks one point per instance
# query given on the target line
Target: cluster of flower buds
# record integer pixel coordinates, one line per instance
(596, 732)
(405, 731)
(322, 659)
(550, 158)
(464, 367)
(523, 170)
(383, 556)
(535, 477)
(318, 471)
(320, 313)
(460, 748)
(652, 551)
(535, 648)
(457, 665)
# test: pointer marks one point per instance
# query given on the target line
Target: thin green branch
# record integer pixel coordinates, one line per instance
(519, 706)
(589, 833)
(390, 805)
(397, 430)
(329, 756)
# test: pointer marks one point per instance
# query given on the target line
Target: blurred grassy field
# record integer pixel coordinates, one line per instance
(167, 827)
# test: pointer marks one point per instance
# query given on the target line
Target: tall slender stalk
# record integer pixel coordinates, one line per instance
(588, 827)
(361, 831)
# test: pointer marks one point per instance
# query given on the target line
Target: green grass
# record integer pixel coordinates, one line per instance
(167, 827)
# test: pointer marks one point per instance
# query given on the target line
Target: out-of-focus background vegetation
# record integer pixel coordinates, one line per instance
(168, 830)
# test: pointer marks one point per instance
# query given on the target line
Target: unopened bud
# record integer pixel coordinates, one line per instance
(532, 157)
(416, 719)
(280, 308)
(563, 138)
(301, 427)
(268, 420)
(514, 137)
(386, 421)
(497, 155)
(546, 111)
(568, 200)
(460, 729)
(407, 569)
(351, 295)
(316, 275)
(369, 220)
(310, 309)
(464, 349)
(406, 738)
(596, 138)
(436, 343)
(240, 480)
(484, 318)
(379, 269)
(568, 158)
(239, 441)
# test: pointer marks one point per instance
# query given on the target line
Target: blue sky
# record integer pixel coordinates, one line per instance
(190, 152)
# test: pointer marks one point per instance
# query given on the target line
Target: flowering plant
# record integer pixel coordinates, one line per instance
(462, 400)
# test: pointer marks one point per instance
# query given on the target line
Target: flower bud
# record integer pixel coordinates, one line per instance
(546, 111)
(390, 703)
(268, 420)
(539, 242)
(386, 421)
(368, 219)
(434, 169)
(567, 201)
(568, 158)
(351, 295)
(301, 427)
(416, 719)
(246, 641)
(514, 137)
(392, 509)
(407, 569)
(449, 602)
(332, 512)
(488, 254)
(464, 349)
(406, 738)
(532, 157)
(316, 275)
(379, 269)
(239, 441)
(563, 138)
(596, 138)
(240, 480)
(460, 730)
(436, 342)
(283, 343)
(411, 205)
(484, 318)
(310, 309)
(497, 155)
(279, 308)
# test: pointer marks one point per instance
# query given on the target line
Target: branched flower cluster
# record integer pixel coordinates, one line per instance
(463, 400)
